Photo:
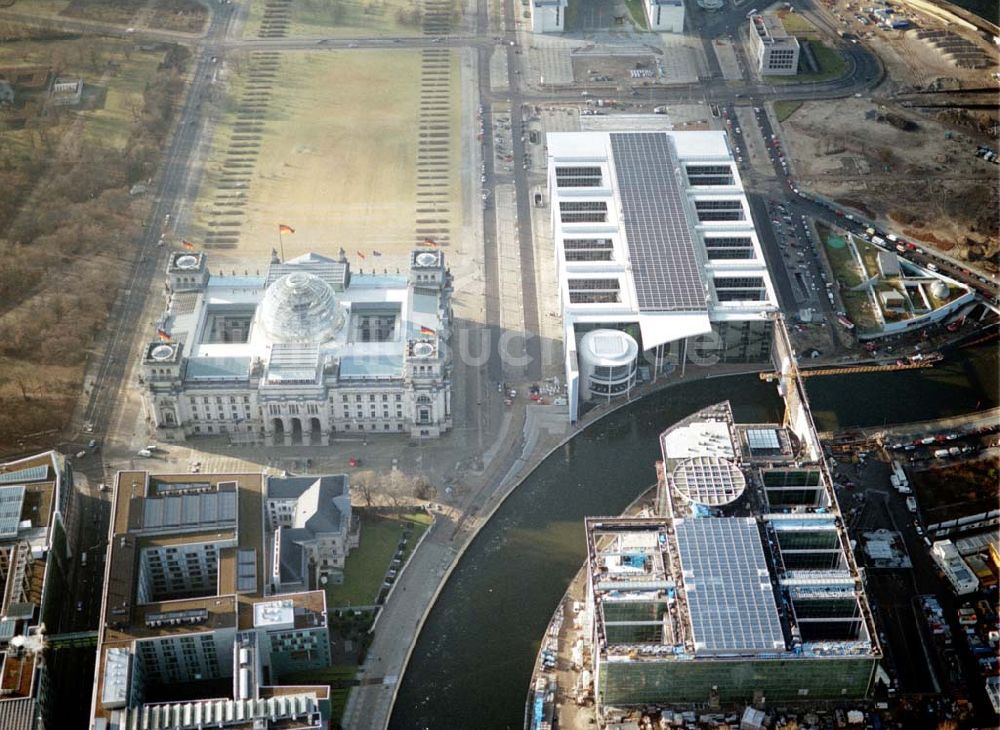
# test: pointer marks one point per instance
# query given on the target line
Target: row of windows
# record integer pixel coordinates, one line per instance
(588, 255)
(740, 288)
(736, 282)
(371, 398)
(218, 399)
(710, 175)
(581, 297)
(728, 242)
(588, 249)
(742, 295)
(578, 177)
(701, 205)
(580, 244)
(708, 170)
(359, 414)
(583, 212)
(716, 180)
(594, 291)
(715, 254)
(708, 216)
(346, 427)
(591, 284)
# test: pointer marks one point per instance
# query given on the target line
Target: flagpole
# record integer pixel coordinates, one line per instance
(281, 244)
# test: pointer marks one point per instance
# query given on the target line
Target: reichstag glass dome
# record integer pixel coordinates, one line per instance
(300, 308)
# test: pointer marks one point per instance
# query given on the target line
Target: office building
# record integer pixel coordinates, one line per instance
(302, 353)
(667, 16)
(777, 53)
(35, 494)
(548, 16)
(654, 239)
(190, 633)
(742, 588)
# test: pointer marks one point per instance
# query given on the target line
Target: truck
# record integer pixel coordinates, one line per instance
(901, 487)
(897, 471)
(878, 240)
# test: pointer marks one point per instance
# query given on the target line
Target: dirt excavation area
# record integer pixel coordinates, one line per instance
(906, 153)
(911, 171)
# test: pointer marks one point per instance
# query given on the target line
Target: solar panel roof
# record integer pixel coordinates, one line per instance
(730, 599)
(11, 500)
(192, 511)
(664, 267)
(28, 474)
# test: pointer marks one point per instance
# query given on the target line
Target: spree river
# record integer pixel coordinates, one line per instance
(472, 662)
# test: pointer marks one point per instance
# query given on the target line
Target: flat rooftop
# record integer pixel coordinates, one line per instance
(746, 557)
(29, 496)
(665, 269)
(731, 603)
(172, 510)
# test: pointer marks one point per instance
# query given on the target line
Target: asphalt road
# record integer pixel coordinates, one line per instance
(125, 331)
(126, 317)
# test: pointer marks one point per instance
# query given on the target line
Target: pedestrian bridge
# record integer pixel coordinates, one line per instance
(72, 640)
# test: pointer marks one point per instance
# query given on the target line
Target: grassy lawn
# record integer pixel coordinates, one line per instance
(638, 13)
(337, 156)
(366, 565)
(845, 268)
(784, 109)
(831, 65)
(869, 254)
(41, 7)
(859, 310)
(110, 68)
(328, 18)
(796, 24)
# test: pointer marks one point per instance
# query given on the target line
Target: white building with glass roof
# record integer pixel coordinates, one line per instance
(305, 351)
(654, 237)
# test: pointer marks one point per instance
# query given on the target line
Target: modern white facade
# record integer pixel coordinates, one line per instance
(665, 15)
(653, 235)
(302, 353)
(777, 53)
(608, 363)
(548, 16)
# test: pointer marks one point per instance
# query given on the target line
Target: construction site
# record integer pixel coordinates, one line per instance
(908, 152)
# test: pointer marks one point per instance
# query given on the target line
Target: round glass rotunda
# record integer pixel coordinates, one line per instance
(300, 308)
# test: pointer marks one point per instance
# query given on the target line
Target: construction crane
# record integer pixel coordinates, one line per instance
(925, 362)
